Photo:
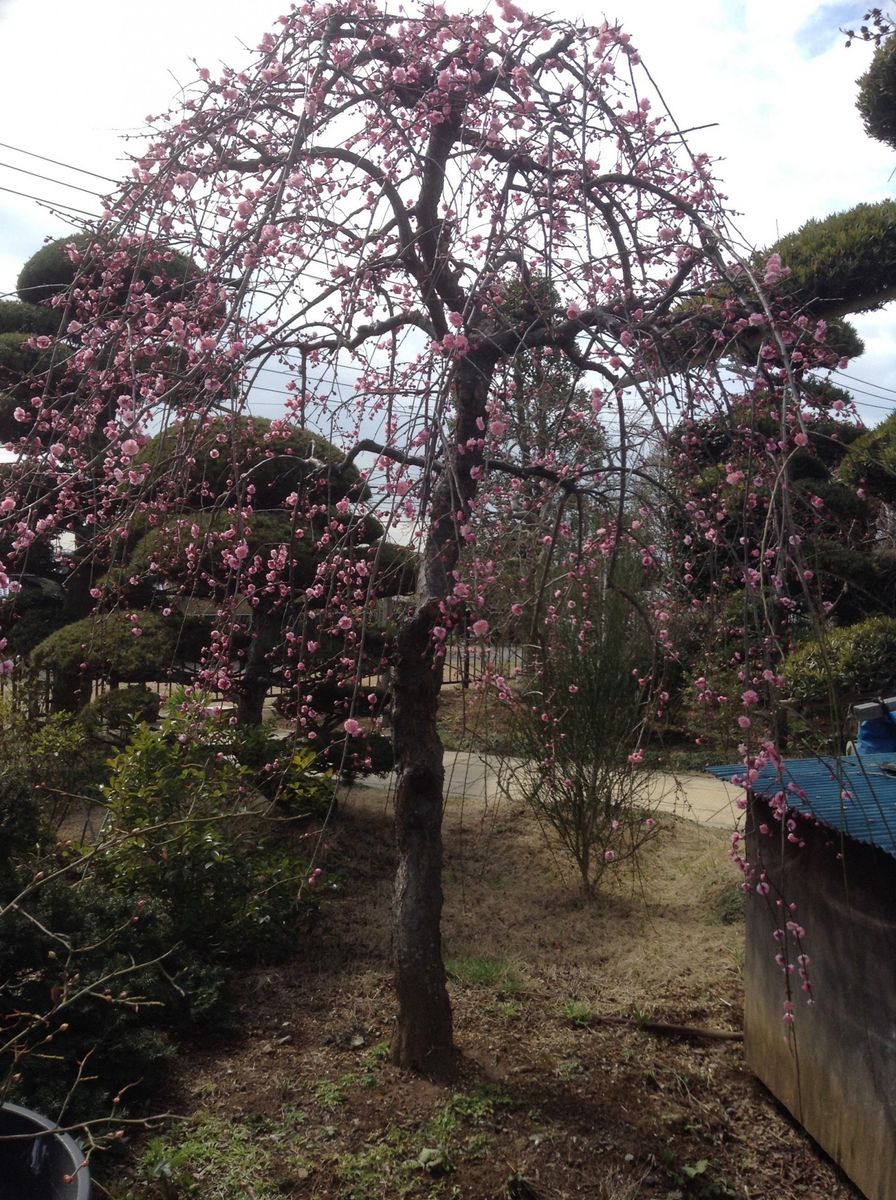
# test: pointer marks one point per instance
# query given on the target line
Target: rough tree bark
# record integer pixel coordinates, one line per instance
(423, 1036)
(256, 679)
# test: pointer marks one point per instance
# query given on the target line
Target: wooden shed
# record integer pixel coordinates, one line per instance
(820, 963)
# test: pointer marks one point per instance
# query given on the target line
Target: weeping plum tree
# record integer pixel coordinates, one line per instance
(361, 200)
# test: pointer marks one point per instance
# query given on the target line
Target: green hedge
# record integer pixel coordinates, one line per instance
(851, 663)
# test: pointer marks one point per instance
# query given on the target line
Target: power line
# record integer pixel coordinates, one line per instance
(49, 178)
(868, 404)
(49, 203)
(57, 163)
(349, 367)
(868, 382)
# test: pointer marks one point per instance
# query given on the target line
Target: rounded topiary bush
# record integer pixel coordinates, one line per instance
(16, 317)
(877, 95)
(116, 714)
(110, 647)
(52, 270)
(871, 461)
(848, 664)
(223, 456)
(845, 262)
(17, 357)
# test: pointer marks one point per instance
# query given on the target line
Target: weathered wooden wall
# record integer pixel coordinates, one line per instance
(835, 1067)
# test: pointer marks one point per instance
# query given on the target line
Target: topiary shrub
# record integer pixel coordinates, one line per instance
(877, 95)
(52, 271)
(842, 263)
(16, 317)
(32, 625)
(111, 646)
(845, 664)
(115, 716)
(871, 461)
(277, 462)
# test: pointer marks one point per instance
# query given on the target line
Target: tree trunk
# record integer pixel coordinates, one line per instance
(69, 690)
(256, 681)
(423, 1036)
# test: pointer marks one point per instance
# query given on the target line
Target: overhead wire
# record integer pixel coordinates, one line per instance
(52, 204)
(75, 187)
(61, 205)
(59, 163)
(880, 386)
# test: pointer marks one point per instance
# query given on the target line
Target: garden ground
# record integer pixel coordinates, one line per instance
(600, 1054)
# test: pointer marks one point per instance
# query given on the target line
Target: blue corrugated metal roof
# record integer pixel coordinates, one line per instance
(856, 796)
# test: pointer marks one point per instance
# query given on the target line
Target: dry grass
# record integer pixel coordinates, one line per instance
(541, 1105)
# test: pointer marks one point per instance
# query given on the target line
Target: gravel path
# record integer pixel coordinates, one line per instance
(695, 796)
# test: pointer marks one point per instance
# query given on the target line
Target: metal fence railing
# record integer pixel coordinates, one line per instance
(467, 661)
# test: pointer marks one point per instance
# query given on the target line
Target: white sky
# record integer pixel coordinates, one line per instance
(775, 77)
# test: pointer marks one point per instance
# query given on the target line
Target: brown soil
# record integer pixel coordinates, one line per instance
(561, 1088)
(470, 718)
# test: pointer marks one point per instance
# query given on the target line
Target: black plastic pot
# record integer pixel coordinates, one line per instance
(41, 1165)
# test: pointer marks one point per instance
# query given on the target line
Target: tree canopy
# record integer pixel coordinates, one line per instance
(402, 217)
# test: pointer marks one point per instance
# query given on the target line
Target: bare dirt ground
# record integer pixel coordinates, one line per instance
(565, 1087)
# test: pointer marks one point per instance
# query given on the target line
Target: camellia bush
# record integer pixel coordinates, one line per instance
(116, 944)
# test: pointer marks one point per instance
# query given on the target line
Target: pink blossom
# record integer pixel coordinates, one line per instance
(352, 728)
(129, 447)
(480, 628)
(775, 271)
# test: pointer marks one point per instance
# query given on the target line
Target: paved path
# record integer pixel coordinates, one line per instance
(688, 794)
